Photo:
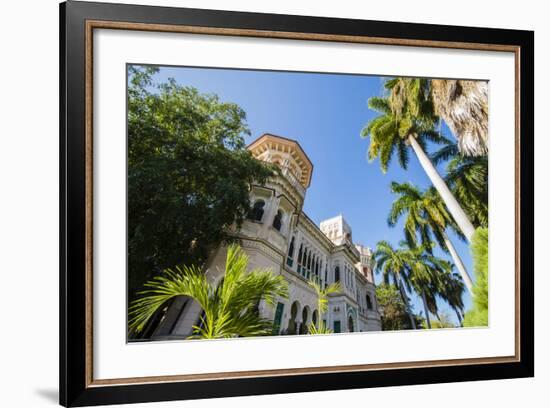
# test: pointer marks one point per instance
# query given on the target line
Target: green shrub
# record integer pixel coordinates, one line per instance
(479, 247)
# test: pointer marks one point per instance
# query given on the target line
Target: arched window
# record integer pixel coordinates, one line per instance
(292, 326)
(305, 317)
(257, 211)
(278, 220)
(300, 258)
(304, 267)
(308, 264)
(315, 317)
(290, 257)
(369, 302)
(337, 274)
(345, 275)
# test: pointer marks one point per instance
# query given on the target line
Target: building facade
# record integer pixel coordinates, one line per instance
(278, 235)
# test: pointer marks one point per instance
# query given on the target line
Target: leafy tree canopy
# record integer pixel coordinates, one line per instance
(478, 315)
(188, 174)
(394, 311)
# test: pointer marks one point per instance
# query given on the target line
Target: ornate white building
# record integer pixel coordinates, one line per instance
(280, 236)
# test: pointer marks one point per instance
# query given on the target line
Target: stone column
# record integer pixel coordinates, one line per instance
(298, 322)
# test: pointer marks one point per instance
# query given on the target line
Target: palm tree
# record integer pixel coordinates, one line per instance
(426, 274)
(322, 305)
(425, 215)
(230, 308)
(393, 265)
(468, 179)
(451, 290)
(464, 105)
(407, 119)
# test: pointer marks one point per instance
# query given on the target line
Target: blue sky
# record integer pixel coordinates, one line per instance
(325, 114)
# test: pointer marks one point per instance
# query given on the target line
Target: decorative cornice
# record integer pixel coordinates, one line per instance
(258, 243)
(350, 252)
(310, 226)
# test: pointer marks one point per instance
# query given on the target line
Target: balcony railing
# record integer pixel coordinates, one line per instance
(293, 180)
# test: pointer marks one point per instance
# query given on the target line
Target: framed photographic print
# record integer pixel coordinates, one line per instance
(257, 204)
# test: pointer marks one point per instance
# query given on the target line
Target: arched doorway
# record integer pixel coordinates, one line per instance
(351, 326)
(292, 326)
(369, 302)
(305, 317)
(315, 317)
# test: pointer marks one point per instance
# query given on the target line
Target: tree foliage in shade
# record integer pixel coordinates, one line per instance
(478, 315)
(188, 174)
(394, 314)
(230, 307)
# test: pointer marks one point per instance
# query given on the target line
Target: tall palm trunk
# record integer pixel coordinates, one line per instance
(458, 262)
(399, 285)
(454, 207)
(426, 310)
(459, 316)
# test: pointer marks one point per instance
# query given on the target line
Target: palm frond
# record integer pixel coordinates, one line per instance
(324, 292)
(230, 307)
(321, 328)
(380, 105)
(181, 282)
(445, 153)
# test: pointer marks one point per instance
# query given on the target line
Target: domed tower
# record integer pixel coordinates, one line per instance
(288, 155)
(276, 205)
